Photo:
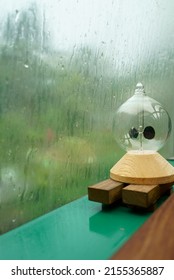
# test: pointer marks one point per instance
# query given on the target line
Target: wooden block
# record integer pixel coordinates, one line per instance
(154, 240)
(143, 195)
(106, 192)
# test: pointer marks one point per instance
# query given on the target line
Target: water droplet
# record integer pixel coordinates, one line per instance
(31, 197)
(9, 153)
(122, 229)
(17, 15)
(7, 81)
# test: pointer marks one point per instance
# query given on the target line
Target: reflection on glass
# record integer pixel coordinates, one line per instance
(65, 67)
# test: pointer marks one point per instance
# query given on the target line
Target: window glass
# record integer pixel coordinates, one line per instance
(65, 67)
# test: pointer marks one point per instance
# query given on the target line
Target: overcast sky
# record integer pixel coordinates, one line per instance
(130, 29)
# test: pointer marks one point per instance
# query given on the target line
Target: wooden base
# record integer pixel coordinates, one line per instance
(106, 192)
(109, 192)
(144, 195)
(143, 168)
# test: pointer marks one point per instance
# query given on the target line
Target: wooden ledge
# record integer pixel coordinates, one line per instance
(154, 240)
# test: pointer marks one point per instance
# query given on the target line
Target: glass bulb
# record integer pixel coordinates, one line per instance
(141, 123)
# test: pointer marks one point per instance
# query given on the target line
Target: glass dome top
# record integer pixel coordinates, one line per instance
(141, 123)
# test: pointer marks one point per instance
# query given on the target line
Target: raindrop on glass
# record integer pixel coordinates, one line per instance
(26, 65)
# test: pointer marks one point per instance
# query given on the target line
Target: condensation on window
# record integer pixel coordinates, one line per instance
(65, 67)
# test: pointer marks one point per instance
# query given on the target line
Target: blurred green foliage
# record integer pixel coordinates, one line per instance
(55, 136)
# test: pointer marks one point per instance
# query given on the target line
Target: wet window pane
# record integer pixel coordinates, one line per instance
(65, 67)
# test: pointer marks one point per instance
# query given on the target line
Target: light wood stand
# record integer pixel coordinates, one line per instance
(143, 167)
(139, 179)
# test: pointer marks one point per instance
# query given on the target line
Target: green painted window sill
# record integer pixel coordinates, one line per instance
(79, 230)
